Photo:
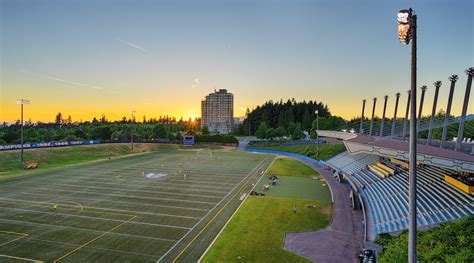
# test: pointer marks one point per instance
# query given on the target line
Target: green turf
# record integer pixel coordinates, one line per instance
(108, 212)
(326, 151)
(295, 179)
(296, 187)
(257, 231)
(290, 167)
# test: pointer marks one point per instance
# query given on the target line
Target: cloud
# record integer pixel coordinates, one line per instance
(64, 80)
(132, 45)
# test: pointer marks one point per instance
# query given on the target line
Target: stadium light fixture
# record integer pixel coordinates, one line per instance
(22, 102)
(406, 21)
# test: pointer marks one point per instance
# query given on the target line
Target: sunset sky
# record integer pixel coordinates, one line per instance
(86, 58)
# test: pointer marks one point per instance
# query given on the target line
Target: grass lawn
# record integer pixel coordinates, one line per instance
(296, 187)
(326, 151)
(290, 167)
(60, 156)
(257, 231)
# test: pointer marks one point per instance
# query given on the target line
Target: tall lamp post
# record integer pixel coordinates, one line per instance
(406, 32)
(317, 133)
(22, 102)
(131, 137)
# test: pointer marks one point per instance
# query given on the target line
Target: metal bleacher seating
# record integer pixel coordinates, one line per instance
(384, 188)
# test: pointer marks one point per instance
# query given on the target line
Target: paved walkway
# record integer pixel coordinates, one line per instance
(342, 240)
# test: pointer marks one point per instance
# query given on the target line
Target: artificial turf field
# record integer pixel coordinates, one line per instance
(108, 212)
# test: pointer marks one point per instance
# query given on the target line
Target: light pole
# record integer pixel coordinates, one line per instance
(406, 32)
(317, 133)
(22, 102)
(131, 139)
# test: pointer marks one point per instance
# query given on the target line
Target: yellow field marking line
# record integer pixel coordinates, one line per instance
(21, 235)
(94, 239)
(210, 221)
(25, 203)
(26, 259)
(132, 217)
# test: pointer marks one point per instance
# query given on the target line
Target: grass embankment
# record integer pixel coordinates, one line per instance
(450, 242)
(326, 151)
(58, 156)
(257, 231)
(295, 180)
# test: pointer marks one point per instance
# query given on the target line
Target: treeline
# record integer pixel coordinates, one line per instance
(105, 131)
(287, 119)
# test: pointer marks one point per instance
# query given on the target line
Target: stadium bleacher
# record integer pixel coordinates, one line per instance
(383, 185)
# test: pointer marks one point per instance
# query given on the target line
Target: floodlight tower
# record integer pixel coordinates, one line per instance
(470, 73)
(373, 115)
(22, 102)
(131, 129)
(394, 122)
(406, 32)
(383, 114)
(437, 85)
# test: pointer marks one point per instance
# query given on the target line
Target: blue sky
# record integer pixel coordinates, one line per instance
(85, 58)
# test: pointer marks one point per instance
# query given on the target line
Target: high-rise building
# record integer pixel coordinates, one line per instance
(217, 111)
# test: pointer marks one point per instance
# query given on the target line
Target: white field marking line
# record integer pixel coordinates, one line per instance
(133, 196)
(90, 217)
(43, 225)
(152, 186)
(109, 209)
(189, 231)
(235, 212)
(91, 247)
(163, 183)
(122, 190)
(24, 259)
(118, 202)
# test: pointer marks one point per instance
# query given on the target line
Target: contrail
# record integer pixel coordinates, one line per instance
(196, 80)
(132, 45)
(64, 80)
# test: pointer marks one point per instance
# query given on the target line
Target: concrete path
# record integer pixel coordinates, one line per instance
(342, 240)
